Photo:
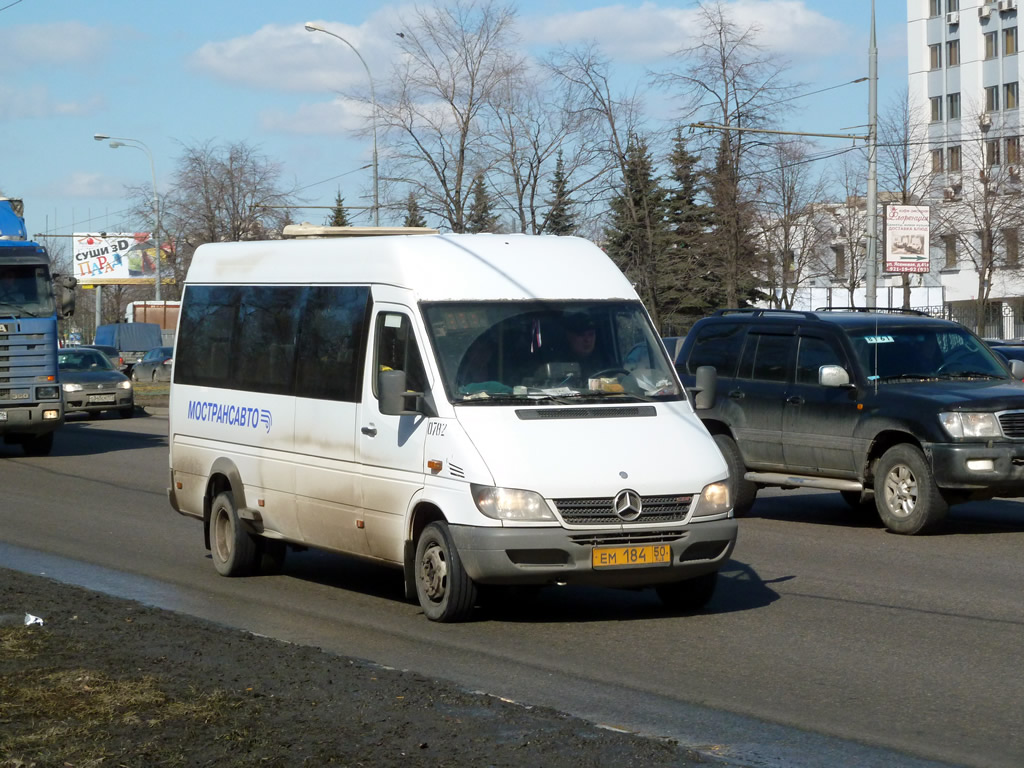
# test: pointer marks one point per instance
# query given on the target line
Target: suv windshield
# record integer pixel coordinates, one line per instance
(492, 351)
(905, 353)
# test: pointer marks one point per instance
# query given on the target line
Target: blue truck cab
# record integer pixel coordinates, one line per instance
(31, 405)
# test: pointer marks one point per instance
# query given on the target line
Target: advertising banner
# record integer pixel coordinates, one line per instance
(907, 238)
(122, 258)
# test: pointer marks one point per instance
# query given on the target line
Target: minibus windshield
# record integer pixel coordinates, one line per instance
(496, 351)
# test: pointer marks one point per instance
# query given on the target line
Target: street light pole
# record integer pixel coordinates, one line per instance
(871, 268)
(311, 27)
(137, 144)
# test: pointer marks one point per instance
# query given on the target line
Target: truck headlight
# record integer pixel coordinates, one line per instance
(510, 503)
(72, 387)
(713, 501)
(47, 393)
(959, 424)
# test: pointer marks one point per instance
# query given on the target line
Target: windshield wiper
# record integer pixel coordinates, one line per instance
(974, 375)
(919, 376)
(23, 312)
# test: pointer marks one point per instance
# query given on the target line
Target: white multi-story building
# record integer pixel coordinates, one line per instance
(965, 104)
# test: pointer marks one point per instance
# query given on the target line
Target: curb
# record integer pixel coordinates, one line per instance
(157, 410)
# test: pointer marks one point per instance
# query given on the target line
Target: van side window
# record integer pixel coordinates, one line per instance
(718, 345)
(331, 344)
(767, 357)
(396, 350)
(268, 321)
(814, 353)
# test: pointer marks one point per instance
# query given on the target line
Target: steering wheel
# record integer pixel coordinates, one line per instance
(607, 372)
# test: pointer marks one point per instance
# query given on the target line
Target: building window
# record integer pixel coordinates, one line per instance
(1012, 241)
(935, 56)
(1009, 41)
(840, 251)
(954, 5)
(935, 8)
(949, 241)
(991, 45)
(1010, 96)
(954, 159)
(953, 53)
(953, 105)
(992, 152)
(992, 98)
(1013, 150)
(936, 102)
(937, 161)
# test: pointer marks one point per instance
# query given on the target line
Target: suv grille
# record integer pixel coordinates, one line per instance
(1012, 423)
(601, 511)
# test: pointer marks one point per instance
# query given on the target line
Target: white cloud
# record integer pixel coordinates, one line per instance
(652, 31)
(28, 46)
(36, 101)
(87, 185)
(328, 118)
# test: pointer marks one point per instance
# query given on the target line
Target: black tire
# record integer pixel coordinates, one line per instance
(38, 446)
(742, 492)
(688, 596)
(126, 413)
(273, 553)
(154, 377)
(907, 499)
(860, 502)
(444, 589)
(235, 551)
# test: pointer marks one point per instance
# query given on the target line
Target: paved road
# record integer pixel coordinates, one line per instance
(829, 641)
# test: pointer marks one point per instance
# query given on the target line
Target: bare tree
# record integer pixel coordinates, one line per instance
(730, 80)
(845, 260)
(791, 231)
(456, 62)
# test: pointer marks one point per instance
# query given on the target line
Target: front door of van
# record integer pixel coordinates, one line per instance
(390, 447)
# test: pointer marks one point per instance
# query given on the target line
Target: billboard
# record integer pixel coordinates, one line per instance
(907, 238)
(117, 258)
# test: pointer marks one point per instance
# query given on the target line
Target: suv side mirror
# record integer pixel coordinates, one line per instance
(1017, 369)
(707, 387)
(833, 376)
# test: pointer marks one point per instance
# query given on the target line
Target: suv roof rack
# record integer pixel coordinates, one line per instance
(759, 312)
(883, 310)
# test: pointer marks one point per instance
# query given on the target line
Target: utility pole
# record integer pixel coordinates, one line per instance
(871, 268)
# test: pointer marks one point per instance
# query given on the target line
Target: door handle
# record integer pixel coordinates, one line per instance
(737, 394)
(370, 431)
(795, 400)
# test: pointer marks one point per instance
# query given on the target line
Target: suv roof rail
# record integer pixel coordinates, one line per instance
(883, 310)
(759, 312)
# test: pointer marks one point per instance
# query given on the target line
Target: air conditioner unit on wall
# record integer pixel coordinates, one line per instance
(985, 120)
(953, 17)
(984, 11)
(1006, 5)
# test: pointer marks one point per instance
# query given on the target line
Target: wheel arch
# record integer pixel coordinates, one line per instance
(422, 514)
(224, 476)
(881, 443)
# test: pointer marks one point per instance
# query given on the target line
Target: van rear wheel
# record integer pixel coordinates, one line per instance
(235, 551)
(444, 589)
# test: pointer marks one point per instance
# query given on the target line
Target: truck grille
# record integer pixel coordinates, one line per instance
(1012, 423)
(601, 511)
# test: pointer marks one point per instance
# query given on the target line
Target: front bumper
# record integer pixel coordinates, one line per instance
(79, 402)
(29, 419)
(994, 468)
(559, 556)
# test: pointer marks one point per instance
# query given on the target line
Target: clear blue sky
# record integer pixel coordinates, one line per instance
(184, 72)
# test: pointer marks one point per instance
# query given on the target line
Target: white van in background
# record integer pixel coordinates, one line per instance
(474, 409)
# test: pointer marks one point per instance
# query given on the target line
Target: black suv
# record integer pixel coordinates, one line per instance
(900, 412)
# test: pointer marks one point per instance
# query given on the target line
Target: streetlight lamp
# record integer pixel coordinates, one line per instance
(311, 27)
(137, 144)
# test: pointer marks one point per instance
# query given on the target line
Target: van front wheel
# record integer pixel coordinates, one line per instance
(234, 549)
(444, 589)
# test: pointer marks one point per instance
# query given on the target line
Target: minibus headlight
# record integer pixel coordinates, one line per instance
(511, 503)
(959, 424)
(714, 500)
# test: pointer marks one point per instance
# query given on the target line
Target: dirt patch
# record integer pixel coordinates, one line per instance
(152, 394)
(106, 681)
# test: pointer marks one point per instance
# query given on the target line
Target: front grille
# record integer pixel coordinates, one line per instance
(601, 511)
(627, 538)
(1012, 423)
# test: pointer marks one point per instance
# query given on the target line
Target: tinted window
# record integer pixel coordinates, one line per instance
(717, 344)
(767, 358)
(397, 350)
(813, 354)
(331, 343)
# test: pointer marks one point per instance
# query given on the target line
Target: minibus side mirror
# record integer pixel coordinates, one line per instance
(706, 390)
(394, 399)
(833, 376)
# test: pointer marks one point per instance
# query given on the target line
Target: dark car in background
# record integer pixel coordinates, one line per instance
(155, 365)
(92, 385)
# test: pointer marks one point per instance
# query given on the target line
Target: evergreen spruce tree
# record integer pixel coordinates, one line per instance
(338, 216)
(638, 231)
(413, 214)
(561, 220)
(480, 218)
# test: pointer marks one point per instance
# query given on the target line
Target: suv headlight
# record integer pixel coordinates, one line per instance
(72, 387)
(713, 501)
(959, 424)
(511, 503)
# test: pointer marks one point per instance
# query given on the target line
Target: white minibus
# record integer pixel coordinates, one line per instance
(474, 409)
